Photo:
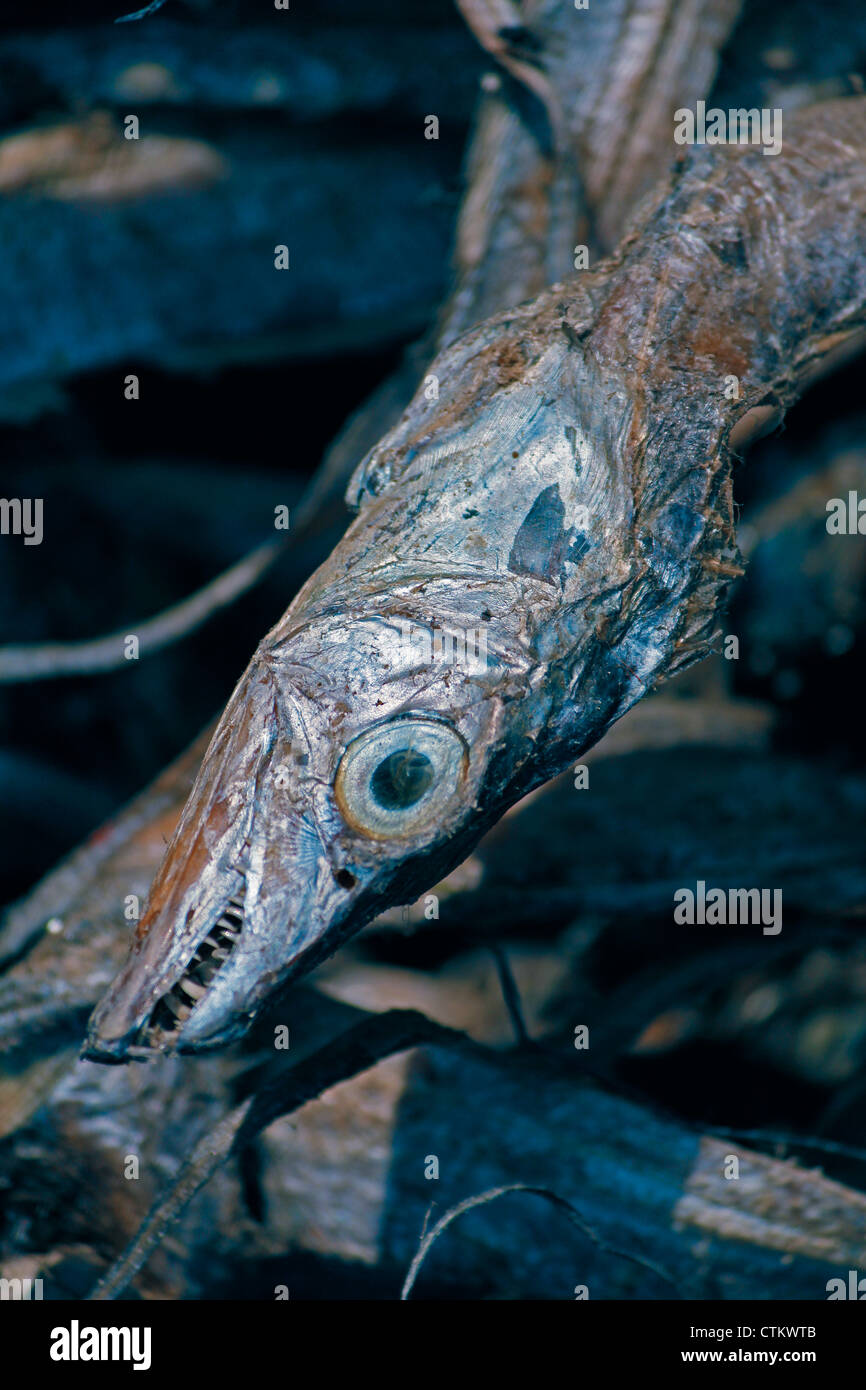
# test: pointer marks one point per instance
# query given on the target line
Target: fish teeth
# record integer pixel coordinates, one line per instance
(176, 1005)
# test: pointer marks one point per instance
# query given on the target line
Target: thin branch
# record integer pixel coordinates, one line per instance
(285, 1087)
(481, 1198)
(510, 994)
(353, 1051)
(52, 659)
(791, 1141)
(208, 1155)
(141, 14)
(426, 1222)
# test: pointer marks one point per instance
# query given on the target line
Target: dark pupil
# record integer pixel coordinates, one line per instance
(401, 779)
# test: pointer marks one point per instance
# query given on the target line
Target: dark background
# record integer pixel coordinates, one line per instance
(247, 375)
(145, 501)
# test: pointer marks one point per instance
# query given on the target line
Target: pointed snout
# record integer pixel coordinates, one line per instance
(216, 938)
(181, 907)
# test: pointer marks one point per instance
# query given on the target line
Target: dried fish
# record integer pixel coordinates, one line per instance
(562, 481)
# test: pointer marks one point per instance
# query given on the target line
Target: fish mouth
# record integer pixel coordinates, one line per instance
(161, 1031)
(129, 1025)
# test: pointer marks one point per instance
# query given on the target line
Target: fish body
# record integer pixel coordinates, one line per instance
(561, 483)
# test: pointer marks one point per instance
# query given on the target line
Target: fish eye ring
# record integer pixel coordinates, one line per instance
(397, 779)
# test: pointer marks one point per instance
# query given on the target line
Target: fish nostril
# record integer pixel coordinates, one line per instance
(345, 878)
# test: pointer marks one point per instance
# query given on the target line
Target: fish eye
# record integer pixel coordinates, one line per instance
(402, 779)
(398, 779)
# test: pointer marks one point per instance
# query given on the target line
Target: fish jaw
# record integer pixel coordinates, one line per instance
(228, 912)
(197, 979)
(213, 942)
(198, 896)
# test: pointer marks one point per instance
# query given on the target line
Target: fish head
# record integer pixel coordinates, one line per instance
(512, 584)
(350, 770)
